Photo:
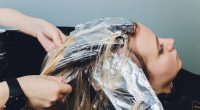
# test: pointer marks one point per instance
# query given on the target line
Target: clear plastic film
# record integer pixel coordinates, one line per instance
(125, 84)
(121, 80)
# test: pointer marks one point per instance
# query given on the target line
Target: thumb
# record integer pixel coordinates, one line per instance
(65, 88)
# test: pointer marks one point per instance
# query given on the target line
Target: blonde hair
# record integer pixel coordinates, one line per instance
(83, 71)
(81, 98)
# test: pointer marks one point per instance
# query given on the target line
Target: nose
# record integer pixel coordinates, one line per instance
(169, 44)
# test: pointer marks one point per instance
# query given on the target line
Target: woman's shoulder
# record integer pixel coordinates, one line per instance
(186, 77)
(186, 92)
(188, 82)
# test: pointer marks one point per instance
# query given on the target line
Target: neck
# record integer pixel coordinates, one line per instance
(167, 88)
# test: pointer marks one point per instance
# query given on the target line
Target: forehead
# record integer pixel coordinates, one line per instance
(146, 42)
(144, 31)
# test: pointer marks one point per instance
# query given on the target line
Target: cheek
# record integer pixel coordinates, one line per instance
(163, 68)
(169, 66)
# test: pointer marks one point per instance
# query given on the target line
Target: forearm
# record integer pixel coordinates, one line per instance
(15, 19)
(4, 94)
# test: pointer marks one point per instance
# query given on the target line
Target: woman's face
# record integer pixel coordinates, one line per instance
(159, 55)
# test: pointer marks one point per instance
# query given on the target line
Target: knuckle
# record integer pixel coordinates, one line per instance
(48, 104)
(57, 89)
(54, 98)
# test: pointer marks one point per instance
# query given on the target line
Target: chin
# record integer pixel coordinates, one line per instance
(179, 64)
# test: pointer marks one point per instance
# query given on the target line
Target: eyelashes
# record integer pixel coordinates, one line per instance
(161, 49)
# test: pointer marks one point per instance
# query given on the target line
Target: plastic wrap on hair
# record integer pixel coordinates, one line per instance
(122, 29)
(121, 80)
(90, 38)
(125, 84)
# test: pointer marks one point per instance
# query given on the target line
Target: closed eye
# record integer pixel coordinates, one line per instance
(161, 49)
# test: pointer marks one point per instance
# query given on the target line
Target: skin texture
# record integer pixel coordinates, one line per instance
(160, 57)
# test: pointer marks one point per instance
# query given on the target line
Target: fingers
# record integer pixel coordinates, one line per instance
(57, 39)
(63, 37)
(64, 88)
(46, 43)
(42, 104)
(46, 90)
(48, 35)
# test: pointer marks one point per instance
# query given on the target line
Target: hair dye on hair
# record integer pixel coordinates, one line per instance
(95, 60)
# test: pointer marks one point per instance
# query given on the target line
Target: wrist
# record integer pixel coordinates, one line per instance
(4, 93)
(17, 98)
(22, 84)
(26, 85)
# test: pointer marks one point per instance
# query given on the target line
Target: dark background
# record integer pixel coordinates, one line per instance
(21, 54)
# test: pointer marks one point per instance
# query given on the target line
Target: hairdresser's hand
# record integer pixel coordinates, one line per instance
(48, 35)
(43, 91)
